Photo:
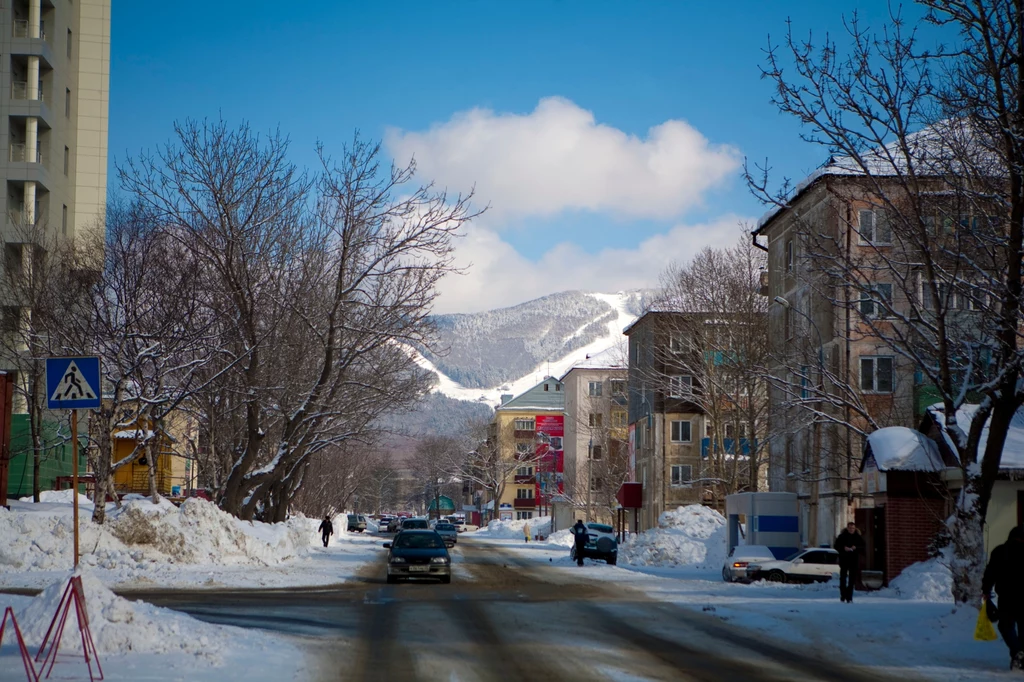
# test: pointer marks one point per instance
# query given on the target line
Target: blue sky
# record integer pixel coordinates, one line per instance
(607, 136)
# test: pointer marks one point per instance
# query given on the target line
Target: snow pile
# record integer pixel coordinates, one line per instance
(562, 538)
(688, 536)
(925, 581)
(59, 497)
(513, 530)
(119, 626)
(142, 534)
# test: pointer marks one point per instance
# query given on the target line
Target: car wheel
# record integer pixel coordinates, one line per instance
(776, 577)
(725, 575)
(445, 580)
(611, 560)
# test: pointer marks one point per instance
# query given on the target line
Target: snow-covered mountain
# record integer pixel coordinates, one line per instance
(510, 349)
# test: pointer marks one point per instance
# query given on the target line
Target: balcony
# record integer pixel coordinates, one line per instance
(529, 479)
(19, 91)
(18, 154)
(524, 434)
(524, 503)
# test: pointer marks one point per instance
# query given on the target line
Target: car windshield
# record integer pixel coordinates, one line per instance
(415, 523)
(444, 526)
(794, 555)
(419, 541)
(600, 528)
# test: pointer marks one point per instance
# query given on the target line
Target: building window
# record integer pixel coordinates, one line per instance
(524, 493)
(69, 43)
(67, 102)
(64, 220)
(789, 255)
(682, 474)
(558, 387)
(523, 448)
(876, 374)
(524, 516)
(618, 387)
(675, 342)
(546, 387)
(730, 431)
(596, 452)
(620, 419)
(524, 471)
(524, 425)
(680, 386)
(876, 301)
(787, 322)
(596, 420)
(595, 389)
(681, 432)
(596, 485)
(67, 159)
(874, 227)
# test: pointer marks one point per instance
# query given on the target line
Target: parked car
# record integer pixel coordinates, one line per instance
(415, 524)
(356, 523)
(814, 564)
(601, 544)
(735, 568)
(383, 523)
(418, 554)
(459, 525)
(448, 532)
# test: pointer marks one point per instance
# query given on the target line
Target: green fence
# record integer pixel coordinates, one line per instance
(55, 460)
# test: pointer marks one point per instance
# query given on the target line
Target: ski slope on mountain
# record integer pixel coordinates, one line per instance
(613, 338)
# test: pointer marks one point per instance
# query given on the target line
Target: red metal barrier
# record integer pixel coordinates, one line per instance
(26, 657)
(72, 593)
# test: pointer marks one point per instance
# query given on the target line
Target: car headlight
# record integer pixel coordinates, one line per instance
(439, 560)
(398, 560)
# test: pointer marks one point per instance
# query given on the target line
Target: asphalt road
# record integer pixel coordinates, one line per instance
(507, 618)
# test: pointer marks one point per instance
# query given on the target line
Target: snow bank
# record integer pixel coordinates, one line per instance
(119, 626)
(59, 497)
(513, 530)
(687, 536)
(141, 534)
(925, 581)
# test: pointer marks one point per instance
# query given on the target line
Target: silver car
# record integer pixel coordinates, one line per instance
(741, 556)
(448, 532)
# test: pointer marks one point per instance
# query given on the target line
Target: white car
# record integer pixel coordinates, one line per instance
(741, 557)
(814, 564)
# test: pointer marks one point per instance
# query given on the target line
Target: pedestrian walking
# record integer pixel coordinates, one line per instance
(326, 528)
(850, 546)
(1005, 574)
(526, 531)
(579, 532)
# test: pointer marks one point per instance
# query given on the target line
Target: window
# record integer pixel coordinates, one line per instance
(595, 389)
(546, 387)
(67, 102)
(876, 374)
(558, 387)
(873, 302)
(524, 493)
(69, 43)
(64, 220)
(596, 420)
(620, 419)
(787, 322)
(524, 471)
(618, 387)
(789, 255)
(681, 386)
(67, 159)
(524, 516)
(675, 342)
(730, 431)
(874, 228)
(681, 432)
(682, 474)
(523, 448)
(804, 380)
(596, 452)
(596, 485)
(524, 425)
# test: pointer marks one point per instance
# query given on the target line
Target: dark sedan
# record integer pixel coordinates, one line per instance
(418, 554)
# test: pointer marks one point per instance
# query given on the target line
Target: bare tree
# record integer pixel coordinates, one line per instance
(934, 142)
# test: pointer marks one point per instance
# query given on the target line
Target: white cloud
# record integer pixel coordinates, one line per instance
(558, 158)
(498, 276)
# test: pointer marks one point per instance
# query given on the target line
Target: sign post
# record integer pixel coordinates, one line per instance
(73, 384)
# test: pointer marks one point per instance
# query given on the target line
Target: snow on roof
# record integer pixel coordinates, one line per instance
(897, 448)
(1013, 448)
(133, 434)
(609, 358)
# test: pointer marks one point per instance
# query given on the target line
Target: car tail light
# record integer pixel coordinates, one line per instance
(740, 564)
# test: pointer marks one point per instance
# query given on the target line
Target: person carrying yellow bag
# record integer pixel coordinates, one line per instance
(983, 631)
(1004, 573)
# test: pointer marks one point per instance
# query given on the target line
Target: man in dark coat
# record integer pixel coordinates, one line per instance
(850, 546)
(1005, 572)
(327, 528)
(580, 533)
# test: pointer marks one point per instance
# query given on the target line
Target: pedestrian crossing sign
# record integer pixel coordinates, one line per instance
(73, 383)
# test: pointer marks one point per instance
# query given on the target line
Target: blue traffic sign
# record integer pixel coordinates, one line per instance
(72, 383)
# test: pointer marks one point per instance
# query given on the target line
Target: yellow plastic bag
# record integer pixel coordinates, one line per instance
(983, 631)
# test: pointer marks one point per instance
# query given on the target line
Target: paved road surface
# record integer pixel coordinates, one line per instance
(508, 618)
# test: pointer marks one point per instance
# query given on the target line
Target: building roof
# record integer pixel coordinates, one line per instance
(610, 358)
(537, 398)
(897, 448)
(1013, 448)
